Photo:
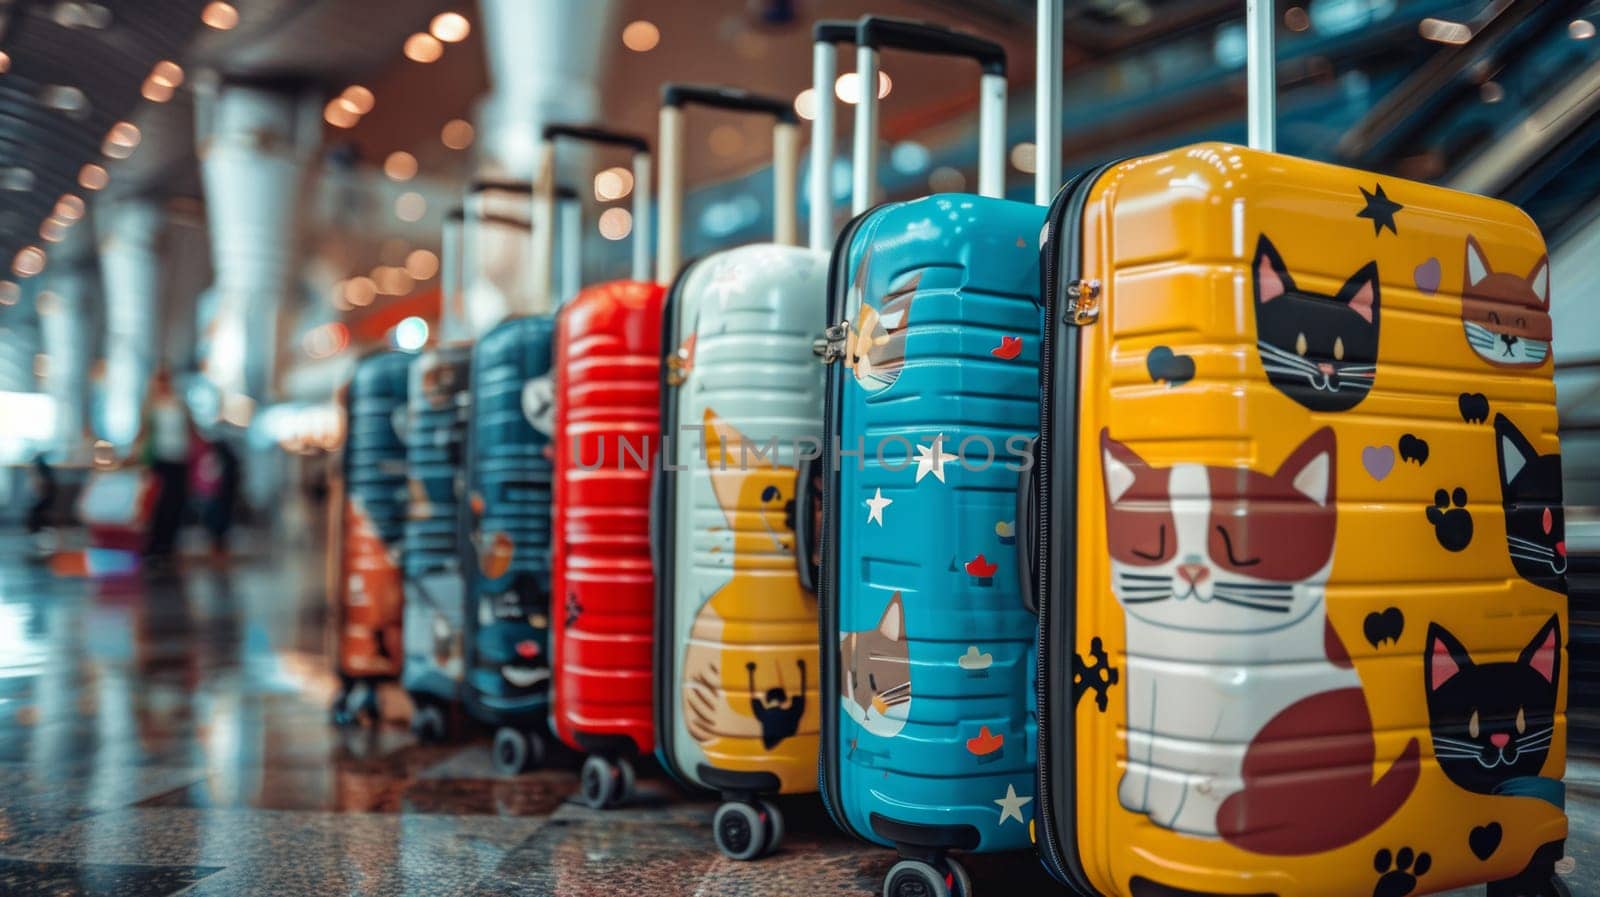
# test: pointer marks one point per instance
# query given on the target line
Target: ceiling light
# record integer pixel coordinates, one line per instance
(1024, 157)
(1296, 19)
(457, 134)
(400, 166)
(5, 62)
(1444, 31)
(1491, 92)
(615, 224)
(641, 36)
(360, 291)
(411, 334)
(82, 15)
(63, 97)
(53, 230)
(613, 184)
(167, 72)
(1580, 29)
(121, 140)
(392, 280)
(219, 15)
(450, 27)
(155, 91)
(945, 179)
(423, 47)
(9, 292)
(92, 177)
(410, 206)
(805, 104)
(422, 264)
(359, 99)
(28, 262)
(16, 178)
(69, 208)
(846, 90)
(338, 114)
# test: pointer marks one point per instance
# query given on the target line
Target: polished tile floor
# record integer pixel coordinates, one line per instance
(169, 735)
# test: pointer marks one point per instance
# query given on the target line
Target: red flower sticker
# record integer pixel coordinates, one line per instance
(1010, 347)
(985, 742)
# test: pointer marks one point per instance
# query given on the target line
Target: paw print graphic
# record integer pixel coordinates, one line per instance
(1452, 526)
(1398, 872)
(1097, 677)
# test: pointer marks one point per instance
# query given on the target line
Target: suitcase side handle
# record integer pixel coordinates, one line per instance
(874, 33)
(807, 517)
(785, 162)
(1028, 531)
(545, 204)
(826, 35)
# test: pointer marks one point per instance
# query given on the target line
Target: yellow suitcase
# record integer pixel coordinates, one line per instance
(1296, 536)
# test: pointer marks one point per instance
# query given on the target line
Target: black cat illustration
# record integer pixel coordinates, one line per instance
(777, 710)
(1530, 492)
(1321, 351)
(1492, 723)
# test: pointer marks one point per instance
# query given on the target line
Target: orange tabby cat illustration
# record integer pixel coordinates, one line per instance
(749, 669)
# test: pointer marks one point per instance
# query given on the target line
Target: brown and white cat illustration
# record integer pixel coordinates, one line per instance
(876, 680)
(876, 350)
(1506, 316)
(1246, 719)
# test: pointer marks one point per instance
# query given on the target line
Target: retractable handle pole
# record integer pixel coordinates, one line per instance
(785, 163)
(1261, 83)
(826, 35)
(452, 282)
(544, 178)
(1047, 103)
(571, 212)
(875, 33)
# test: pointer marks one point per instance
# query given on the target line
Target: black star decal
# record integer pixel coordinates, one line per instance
(1380, 209)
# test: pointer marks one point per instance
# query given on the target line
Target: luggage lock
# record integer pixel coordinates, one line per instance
(1084, 301)
(830, 346)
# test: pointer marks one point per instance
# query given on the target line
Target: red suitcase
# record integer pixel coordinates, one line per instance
(607, 400)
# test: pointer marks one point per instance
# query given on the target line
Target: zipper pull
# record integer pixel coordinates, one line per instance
(677, 368)
(830, 346)
(1083, 302)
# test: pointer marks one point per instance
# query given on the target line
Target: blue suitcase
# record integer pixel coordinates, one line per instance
(505, 545)
(932, 348)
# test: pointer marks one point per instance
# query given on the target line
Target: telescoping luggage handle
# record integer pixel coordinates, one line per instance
(544, 238)
(874, 33)
(785, 162)
(826, 36)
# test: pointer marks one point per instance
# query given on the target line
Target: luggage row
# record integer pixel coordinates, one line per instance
(1197, 525)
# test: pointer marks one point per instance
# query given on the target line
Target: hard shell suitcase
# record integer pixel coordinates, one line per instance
(607, 401)
(932, 346)
(506, 527)
(433, 667)
(1296, 529)
(370, 511)
(741, 397)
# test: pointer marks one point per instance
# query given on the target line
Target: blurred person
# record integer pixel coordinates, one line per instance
(44, 497)
(218, 482)
(166, 434)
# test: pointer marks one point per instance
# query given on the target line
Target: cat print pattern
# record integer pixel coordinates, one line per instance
(1321, 351)
(1237, 685)
(1506, 316)
(1530, 494)
(876, 680)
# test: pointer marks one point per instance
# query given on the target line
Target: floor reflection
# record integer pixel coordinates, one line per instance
(170, 735)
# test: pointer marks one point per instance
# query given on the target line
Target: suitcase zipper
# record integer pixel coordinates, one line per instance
(837, 312)
(1079, 302)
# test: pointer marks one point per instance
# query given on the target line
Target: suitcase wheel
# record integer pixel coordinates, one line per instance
(604, 783)
(517, 752)
(427, 723)
(746, 830)
(916, 878)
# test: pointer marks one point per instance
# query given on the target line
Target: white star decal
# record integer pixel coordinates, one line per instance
(875, 506)
(1011, 805)
(931, 459)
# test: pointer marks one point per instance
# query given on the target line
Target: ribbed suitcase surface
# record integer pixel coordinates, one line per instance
(374, 517)
(607, 412)
(438, 413)
(928, 649)
(743, 398)
(1303, 535)
(507, 549)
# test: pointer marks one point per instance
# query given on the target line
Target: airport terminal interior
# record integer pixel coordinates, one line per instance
(426, 425)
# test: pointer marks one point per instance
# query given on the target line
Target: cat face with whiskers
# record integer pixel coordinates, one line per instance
(1492, 722)
(1321, 351)
(876, 673)
(1220, 549)
(1506, 316)
(1530, 493)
